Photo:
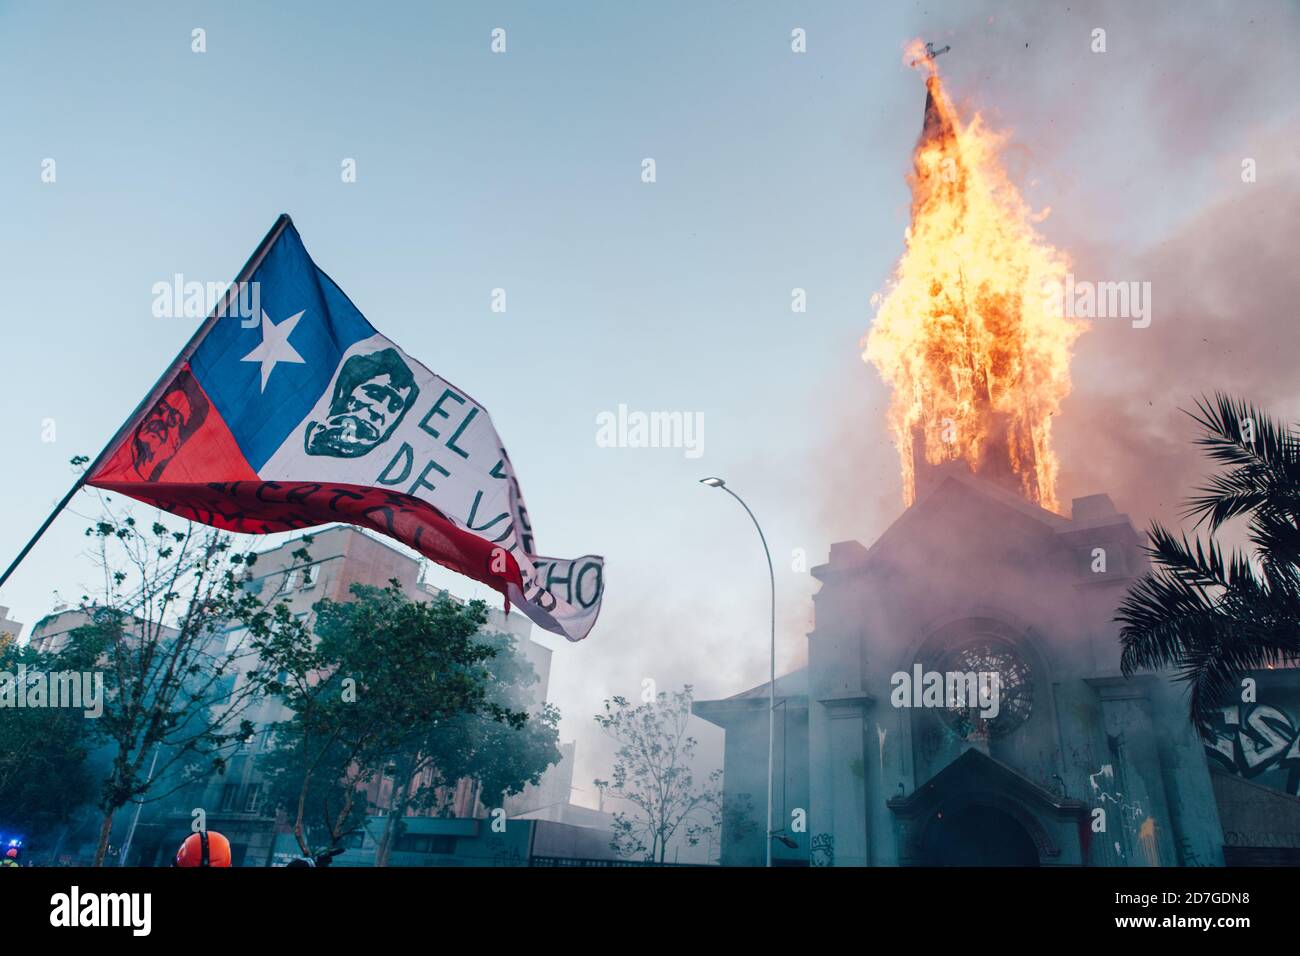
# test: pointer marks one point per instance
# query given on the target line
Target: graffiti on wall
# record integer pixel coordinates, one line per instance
(503, 853)
(823, 850)
(1128, 814)
(1254, 740)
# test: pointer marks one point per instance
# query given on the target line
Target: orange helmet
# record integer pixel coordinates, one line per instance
(204, 849)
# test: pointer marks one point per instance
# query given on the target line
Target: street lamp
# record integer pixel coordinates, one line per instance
(771, 687)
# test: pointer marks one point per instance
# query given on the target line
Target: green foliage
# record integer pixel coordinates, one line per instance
(382, 677)
(322, 776)
(1213, 615)
(43, 772)
(504, 748)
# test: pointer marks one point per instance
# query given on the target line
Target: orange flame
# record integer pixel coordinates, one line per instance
(968, 333)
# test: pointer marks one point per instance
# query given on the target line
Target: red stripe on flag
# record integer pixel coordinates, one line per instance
(267, 507)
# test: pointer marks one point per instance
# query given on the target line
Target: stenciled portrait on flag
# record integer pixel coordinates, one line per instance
(371, 397)
(177, 415)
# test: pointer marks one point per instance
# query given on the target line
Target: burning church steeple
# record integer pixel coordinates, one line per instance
(936, 126)
(976, 350)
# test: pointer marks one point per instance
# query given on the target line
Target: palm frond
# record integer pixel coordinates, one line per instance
(1265, 456)
(1228, 424)
(1210, 614)
(1199, 563)
(1161, 616)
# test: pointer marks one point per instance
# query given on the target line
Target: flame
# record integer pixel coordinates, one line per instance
(971, 332)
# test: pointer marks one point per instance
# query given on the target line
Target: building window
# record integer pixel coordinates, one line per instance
(229, 797)
(224, 689)
(253, 798)
(1015, 688)
(310, 575)
(291, 580)
(235, 638)
(425, 843)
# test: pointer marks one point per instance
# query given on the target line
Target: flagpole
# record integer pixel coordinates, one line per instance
(40, 531)
(219, 311)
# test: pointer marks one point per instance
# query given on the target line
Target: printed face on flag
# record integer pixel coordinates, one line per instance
(386, 421)
(372, 393)
(312, 416)
(176, 416)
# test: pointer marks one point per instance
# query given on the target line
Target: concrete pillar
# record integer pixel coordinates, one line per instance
(1132, 791)
(848, 767)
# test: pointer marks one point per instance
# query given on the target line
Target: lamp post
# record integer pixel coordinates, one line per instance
(135, 820)
(771, 687)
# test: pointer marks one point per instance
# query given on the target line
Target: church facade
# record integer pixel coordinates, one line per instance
(962, 704)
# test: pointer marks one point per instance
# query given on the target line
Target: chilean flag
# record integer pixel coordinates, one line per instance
(305, 415)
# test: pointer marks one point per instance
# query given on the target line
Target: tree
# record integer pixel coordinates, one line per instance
(158, 630)
(316, 781)
(1210, 615)
(377, 667)
(43, 772)
(502, 750)
(652, 772)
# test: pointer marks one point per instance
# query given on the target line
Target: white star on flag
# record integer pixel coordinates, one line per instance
(275, 345)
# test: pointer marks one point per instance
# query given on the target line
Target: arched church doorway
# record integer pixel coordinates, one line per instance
(978, 835)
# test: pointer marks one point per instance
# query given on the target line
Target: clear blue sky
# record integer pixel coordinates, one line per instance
(475, 171)
(522, 171)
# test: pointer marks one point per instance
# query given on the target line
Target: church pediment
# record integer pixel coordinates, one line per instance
(976, 772)
(975, 782)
